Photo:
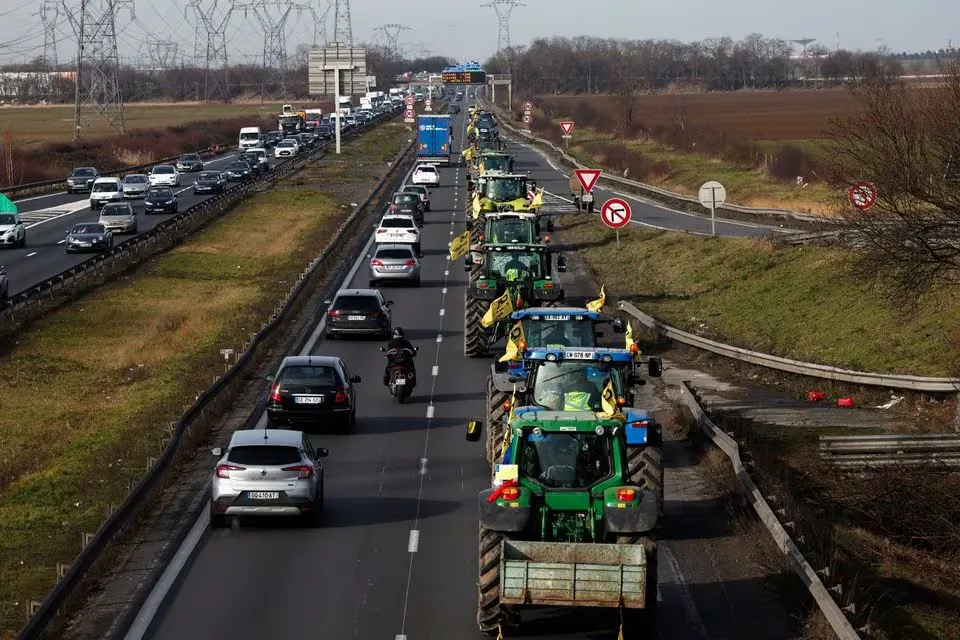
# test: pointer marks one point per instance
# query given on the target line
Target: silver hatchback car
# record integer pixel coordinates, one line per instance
(119, 217)
(267, 472)
(394, 263)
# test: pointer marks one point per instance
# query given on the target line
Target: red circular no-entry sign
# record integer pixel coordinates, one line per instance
(615, 213)
(862, 195)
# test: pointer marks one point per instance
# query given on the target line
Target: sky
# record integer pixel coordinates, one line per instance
(465, 29)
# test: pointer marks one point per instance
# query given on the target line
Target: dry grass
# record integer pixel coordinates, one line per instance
(92, 386)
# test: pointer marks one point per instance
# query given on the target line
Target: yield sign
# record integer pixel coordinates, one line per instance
(567, 127)
(588, 178)
(615, 213)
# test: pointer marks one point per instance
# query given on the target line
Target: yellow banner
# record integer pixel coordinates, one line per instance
(597, 305)
(513, 343)
(629, 339)
(476, 205)
(499, 309)
(460, 245)
(537, 200)
(608, 401)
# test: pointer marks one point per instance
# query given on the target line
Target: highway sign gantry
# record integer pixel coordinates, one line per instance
(712, 194)
(615, 213)
(588, 178)
(862, 195)
(566, 127)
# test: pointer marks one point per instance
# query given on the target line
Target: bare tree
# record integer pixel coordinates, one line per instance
(625, 101)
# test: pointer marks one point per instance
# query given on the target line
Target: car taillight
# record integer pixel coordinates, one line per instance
(305, 470)
(333, 314)
(639, 423)
(548, 285)
(381, 230)
(341, 396)
(392, 208)
(410, 263)
(376, 263)
(626, 495)
(510, 493)
(223, 470)
(482, 285)
(275, 393)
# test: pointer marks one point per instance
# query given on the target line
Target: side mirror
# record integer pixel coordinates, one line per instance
(217, 451)
(389, 302)
(474, 428)
(383, 349)
(269, 377)
(322, 452)
(562, 264)
(416, 349)
(355, 379)
(655, 367)
(67, 232)
(619, 326)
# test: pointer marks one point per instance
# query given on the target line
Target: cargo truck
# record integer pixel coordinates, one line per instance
(434, 133)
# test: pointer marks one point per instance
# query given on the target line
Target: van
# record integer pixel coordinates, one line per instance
(250, 137)
(105, 190)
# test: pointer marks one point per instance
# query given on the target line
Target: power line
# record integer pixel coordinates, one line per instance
(503, 8)
(392, 32)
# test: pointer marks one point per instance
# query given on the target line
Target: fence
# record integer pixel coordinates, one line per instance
(873, 451)
(76, 578)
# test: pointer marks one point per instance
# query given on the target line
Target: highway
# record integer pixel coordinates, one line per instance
(396, 556)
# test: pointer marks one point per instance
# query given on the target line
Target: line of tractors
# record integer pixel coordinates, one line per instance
(576, 497)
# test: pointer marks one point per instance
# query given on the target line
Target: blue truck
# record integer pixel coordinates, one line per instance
(433, 138)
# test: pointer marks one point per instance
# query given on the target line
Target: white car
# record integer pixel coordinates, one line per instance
(398, 229)
(164, 175)
(286, 148)
(426, 174)
(13, 233)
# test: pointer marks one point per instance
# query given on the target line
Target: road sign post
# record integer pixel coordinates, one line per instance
(616, 213)
(712, 195)
(428, 105)
(409, 116)
(527, 114)
(567, 128)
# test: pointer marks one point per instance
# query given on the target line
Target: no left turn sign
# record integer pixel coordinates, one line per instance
(615, 213)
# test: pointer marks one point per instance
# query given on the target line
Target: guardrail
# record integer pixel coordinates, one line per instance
(219, 396)
(863, 452)
(30, 186)
(670, 197)
(886, 380)
(831, 610)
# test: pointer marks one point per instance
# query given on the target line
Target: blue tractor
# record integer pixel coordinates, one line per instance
(573, 379)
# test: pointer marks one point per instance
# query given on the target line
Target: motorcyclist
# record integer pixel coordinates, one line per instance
(399, 349)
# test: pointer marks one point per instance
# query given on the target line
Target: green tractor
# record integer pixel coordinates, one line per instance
(506, 228)
(563, 525)
(500, 193)
(492, 163)
(525, 271)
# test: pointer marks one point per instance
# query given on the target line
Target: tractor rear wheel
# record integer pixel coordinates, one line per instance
(496, 419)
(489, 612)
(478, 226)
(642, 623)
(474, 335)
(645, 469)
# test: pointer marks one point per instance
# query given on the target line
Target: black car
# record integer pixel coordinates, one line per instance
(88, 236)
(239, 171)
(408, 204)
(161, 200)
(209, 182)
(81, 179)
(312, 391)
(253, 160)
(306, 140)
(359, 311)
(189, 163)
(326, 131)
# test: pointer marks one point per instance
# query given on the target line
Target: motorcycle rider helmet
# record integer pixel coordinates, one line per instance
(398, 333)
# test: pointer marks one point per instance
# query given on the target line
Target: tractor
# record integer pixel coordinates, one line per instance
(492, 163)
(564, 525)
(503, 192)
(506, 228)
(570, 378)
(523, 270)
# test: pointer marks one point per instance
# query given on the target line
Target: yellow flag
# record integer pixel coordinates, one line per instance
(514, 340)
(597, 304)
(608, 401)
(620, 634)
(460, 245)
(476, 205)
(483, 170)
(513, 403)
(499, 309)
(537, 200)
(499, 633)
(629, 339)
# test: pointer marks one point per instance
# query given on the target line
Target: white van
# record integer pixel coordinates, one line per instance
(105, 190)
(250, 137)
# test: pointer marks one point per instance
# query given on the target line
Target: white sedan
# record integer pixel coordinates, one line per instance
(286, 148)
(399, 229)
(164, 175)
(426, 174)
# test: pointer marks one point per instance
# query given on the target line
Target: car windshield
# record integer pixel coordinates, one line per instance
(513, 265)
(239, 166)
(285, 143)
(8, 218)
(504, 190)
(263, 454)
(362, 303)
(116, 210)
(559, 332)
(191, 157)
(495, 163)
(397, 223)
(160, 193)
(565, 460)
(137, 179)
(249, 136)
(209, 175)
(165, 169)
(406, 199)
(426, 169)
(511, 230)
(105, 187)
(83, 173)
(394, 254)
(308, 379)
(574, 386)
(88, 228)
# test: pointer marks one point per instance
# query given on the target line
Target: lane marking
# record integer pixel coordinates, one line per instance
(400, 636)
(444, 290)
(430, 411)
(443, 312)
(435, 371)
(414, 541)
(439, 339)
(446, 273)
(30, 255)
(423, 466)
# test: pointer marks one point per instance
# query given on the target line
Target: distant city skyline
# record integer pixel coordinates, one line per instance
(467, 30)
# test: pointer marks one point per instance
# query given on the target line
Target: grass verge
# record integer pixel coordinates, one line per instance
(96, 383)
(797, 302)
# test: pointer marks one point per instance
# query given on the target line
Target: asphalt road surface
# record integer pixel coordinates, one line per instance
(396, 556)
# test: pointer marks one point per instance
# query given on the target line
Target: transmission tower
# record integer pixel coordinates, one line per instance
(342, 28)
(49, 13)
(392, 31)
(163, 54)
(216, 79)
(503, 8)
(98, 60)
(320, 26)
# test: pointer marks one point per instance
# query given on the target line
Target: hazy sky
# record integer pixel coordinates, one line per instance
(465, 29)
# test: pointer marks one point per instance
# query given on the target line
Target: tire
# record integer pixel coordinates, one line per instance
(329, 335)
(645, 469)
(642, 623)
(489, 612)
(478, 226)
(474, 335)
(496, 420)
(315, 517)
(217, 520)
(416, 283)
(23, 241)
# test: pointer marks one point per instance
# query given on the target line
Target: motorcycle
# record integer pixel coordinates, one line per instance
(400, 374)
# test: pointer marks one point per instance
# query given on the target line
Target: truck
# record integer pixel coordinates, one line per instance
(344, 105)
(434, 133)
(563, 524)
(291, 121)
(313, 118)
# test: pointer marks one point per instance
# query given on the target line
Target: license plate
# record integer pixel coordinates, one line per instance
(393, 267)
(308, 399)
(84, 244)
(578, 355)
(400, 381)
(356, 317)
(264, 495)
